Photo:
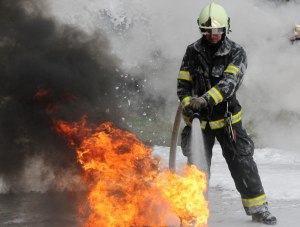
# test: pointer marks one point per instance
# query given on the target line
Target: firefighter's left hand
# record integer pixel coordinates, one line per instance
(198, 103)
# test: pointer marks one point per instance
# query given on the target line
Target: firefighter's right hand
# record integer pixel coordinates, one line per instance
(188, 113)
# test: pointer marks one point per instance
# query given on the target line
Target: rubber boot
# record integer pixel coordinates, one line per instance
(264, 217)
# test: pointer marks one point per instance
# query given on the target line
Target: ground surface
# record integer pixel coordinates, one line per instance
(279, 170)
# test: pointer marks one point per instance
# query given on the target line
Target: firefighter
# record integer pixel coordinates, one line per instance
(296, 36)
(211, 72)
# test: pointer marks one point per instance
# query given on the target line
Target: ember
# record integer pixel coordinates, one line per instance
(41, 92)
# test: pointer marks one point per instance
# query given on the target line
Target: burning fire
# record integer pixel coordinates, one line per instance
(126, 185)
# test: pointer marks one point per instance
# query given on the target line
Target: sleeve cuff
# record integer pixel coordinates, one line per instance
(214, 96)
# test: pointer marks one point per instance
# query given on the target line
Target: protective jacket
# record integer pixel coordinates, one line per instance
(214, 72)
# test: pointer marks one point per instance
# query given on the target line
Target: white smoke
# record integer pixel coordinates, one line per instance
(151, 36)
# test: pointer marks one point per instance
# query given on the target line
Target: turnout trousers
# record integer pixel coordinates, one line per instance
(239, 158)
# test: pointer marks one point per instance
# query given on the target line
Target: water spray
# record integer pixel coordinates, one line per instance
(198, 156)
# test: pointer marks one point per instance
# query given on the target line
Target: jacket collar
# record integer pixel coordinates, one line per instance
(224, 48)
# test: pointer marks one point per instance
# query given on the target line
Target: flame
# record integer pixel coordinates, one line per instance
(185, 194)
(125, 183)
(41, 92)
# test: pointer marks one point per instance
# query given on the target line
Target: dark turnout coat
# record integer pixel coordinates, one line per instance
(216, 73)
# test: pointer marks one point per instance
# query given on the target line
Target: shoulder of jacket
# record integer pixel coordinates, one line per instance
(191, 45)
(195, 46)
(235, 46)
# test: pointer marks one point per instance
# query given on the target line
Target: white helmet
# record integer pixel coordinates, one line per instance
(213, 16)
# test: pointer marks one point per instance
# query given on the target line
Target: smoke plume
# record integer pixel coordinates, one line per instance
(51, 70)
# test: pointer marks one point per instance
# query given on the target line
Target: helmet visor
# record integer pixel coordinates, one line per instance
(212, 31)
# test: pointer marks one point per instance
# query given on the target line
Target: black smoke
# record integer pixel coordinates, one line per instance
(46, 67)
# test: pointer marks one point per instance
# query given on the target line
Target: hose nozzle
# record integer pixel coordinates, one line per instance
(195, 115)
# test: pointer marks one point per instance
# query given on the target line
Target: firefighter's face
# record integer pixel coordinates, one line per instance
(213, 35)
(213, 38)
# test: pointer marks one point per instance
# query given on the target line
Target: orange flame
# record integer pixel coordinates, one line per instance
(127, 187)
(41, 92)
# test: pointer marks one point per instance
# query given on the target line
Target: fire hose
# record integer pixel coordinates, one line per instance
(174, 139)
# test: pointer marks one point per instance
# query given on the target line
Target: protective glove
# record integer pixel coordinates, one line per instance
(198, 103)
(187, 115)
(187, 111)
